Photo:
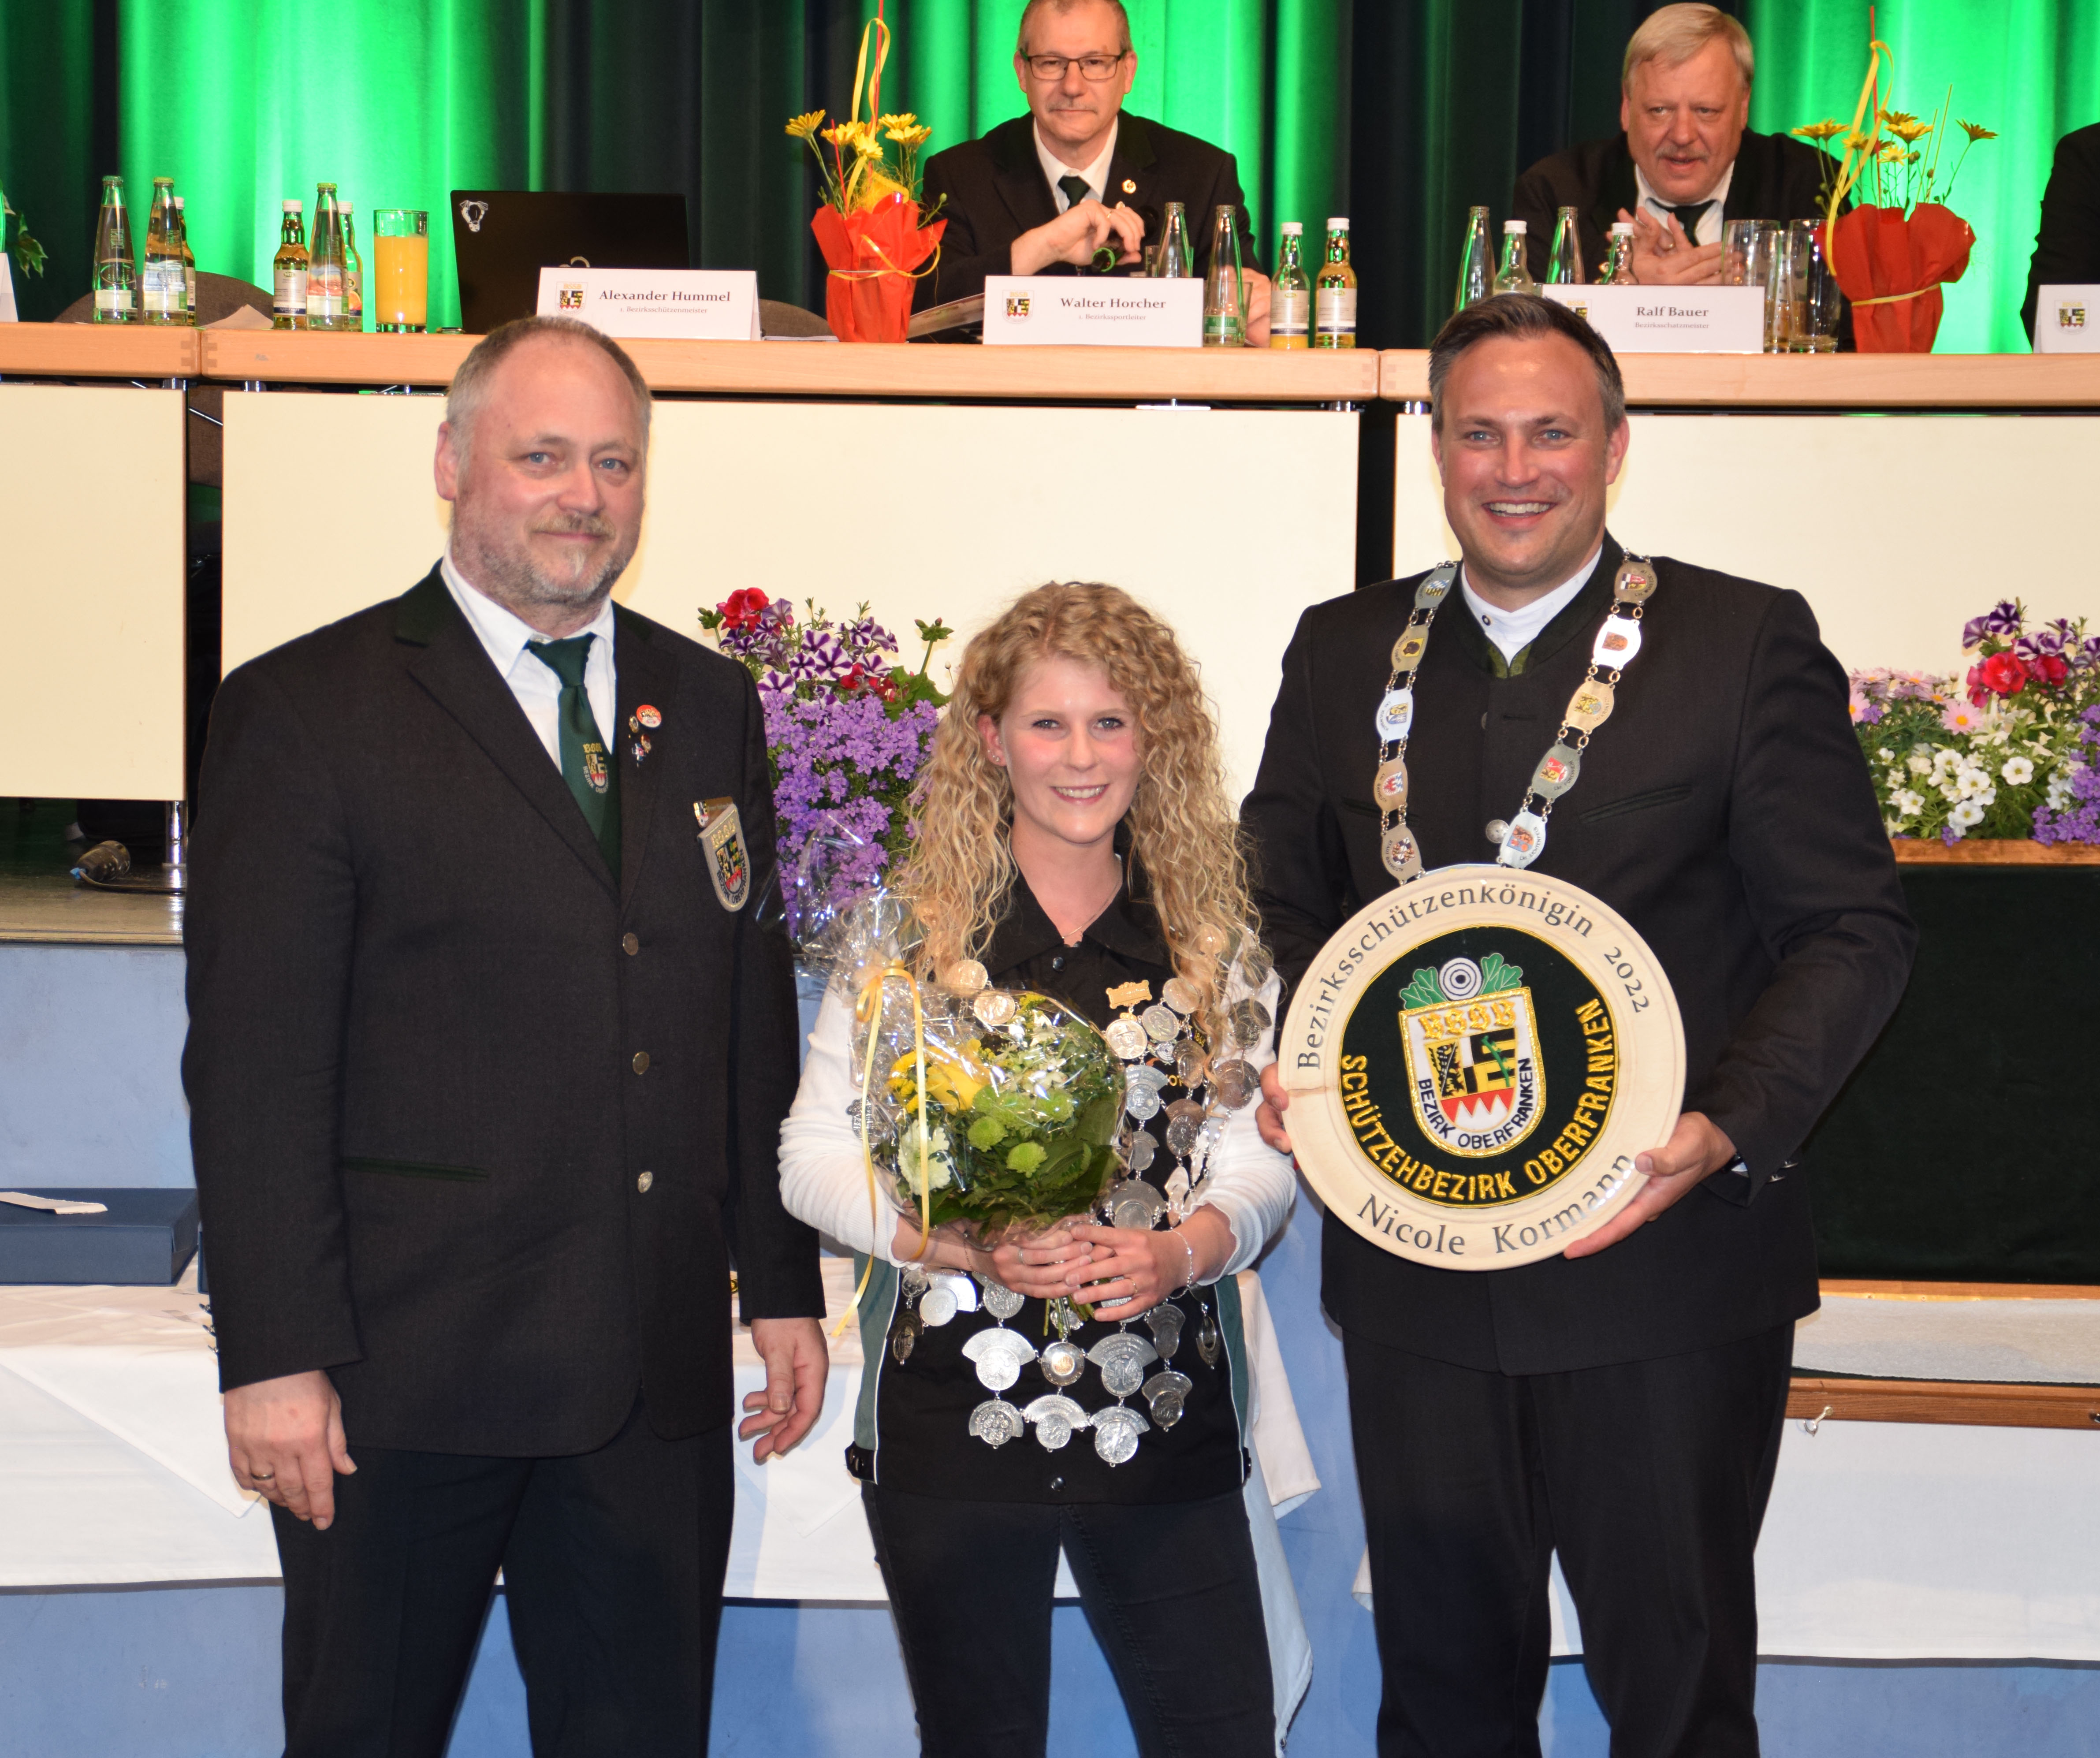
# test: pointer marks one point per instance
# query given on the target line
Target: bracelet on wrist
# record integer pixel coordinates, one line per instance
(1188, 1286)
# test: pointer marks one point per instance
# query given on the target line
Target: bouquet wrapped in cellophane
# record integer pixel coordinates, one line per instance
(997, 1109)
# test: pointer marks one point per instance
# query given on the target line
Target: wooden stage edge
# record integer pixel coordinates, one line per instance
(1967, 1403)
(1980, 382)
(1990, 851)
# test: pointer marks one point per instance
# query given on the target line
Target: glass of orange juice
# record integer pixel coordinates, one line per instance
(400, 291)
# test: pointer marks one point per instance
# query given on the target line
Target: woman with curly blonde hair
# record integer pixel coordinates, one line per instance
(1073, 838)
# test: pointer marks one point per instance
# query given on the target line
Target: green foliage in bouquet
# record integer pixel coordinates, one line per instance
(1020, 1119)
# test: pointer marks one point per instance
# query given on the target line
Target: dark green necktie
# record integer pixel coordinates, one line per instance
(587, 761)
(1076, 189)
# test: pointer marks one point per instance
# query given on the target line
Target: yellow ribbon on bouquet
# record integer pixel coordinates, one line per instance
(867, 1011)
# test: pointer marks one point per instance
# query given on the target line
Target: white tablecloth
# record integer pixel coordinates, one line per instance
(1899, 1541)
(114, 1468)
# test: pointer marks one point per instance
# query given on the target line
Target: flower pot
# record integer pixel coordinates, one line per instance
(1891, 267)
(873, 256)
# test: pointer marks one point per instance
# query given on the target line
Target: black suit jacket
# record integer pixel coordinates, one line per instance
(1776, 178)
(996, 191)
(2068, 246)
(415, 1017)
(1725, 811)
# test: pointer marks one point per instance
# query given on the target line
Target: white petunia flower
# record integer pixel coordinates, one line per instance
(2018, 770)
(1910, 804)
(1920, 764)
(1966, 816)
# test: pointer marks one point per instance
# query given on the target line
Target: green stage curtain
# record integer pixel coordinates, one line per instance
(1399, 113)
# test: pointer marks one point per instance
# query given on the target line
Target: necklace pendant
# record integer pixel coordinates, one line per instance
(1401, 854)
(1390, 789)
(1437, 587)
(1635, 584)
(1408, 650)
(1396, 715)
(1556, 772)
(1525, 840)
(1591, 704)
(1618, 639)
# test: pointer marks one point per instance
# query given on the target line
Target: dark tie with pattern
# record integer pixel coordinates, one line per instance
(1075, 188)
(587, 761)
(1688, 217)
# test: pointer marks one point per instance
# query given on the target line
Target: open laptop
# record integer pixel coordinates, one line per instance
(502, 238)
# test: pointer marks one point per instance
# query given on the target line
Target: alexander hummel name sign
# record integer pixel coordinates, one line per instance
(1473, 1063)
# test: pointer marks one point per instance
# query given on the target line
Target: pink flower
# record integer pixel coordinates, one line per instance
(1961, 717)
(2002, 674)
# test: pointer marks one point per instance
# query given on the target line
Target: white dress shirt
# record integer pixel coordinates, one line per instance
(1513, 631)
(824, 1175)
(1710, 223)
(505, 638)
(1096, 173)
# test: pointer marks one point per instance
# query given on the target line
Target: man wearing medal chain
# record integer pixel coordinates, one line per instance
(1619, 1403)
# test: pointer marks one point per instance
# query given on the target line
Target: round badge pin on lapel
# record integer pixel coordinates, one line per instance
(650, 717)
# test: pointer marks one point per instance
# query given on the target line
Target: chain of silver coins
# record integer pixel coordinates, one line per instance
(1161, 1048)
(1522, 838)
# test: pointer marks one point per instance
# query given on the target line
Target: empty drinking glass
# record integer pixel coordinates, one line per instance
(1808, 301)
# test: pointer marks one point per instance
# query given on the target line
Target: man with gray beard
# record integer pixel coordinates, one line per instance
(487, 1065)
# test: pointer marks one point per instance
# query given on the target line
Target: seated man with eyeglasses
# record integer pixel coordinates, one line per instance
(1077, 187)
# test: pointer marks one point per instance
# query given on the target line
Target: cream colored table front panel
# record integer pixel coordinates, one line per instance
(1898, 529)
(92, 491)
(1228, 522)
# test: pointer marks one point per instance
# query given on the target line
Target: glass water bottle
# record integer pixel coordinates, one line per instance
(1619, 264)
(1515, 274)
(1476, 262)
(1225, 292)
(1564, 266)
(115, 276)
(1177, 256)
(325, 295)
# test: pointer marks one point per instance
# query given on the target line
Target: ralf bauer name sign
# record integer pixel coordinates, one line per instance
(1474, 1060)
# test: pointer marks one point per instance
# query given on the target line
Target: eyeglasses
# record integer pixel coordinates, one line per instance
(1050, 69)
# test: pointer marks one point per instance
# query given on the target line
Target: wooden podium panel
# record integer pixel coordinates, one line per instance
(91, 502)
(1228, 523)
(1897, 528)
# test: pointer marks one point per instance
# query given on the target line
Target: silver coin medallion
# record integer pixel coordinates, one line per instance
(1190, 1065)
(937, 1304)
(1181, 1135)
(905, 1338)
(1063, 1362)
(1167, 1396)
(1000, 1300)
(1234, 1083)
(1250, 1019)
(995, 1422)
(1209, 1345)
(1148, 1074)
(1210, 940)
(998, 1355)
(966, 976)
(1055, 1417)
(1116, 1430)
(1132, 1202)
(1256, 967)
(1165, 1322)
(1162, 1025)
(1180, 994)
(994, 1008)
(1123, 1359)
(1142, 1100)
(1127, 1037)
(1142, 1149)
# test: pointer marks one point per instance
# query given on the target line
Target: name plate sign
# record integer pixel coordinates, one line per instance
(689, 304)
(1671, 319)
(1474, 1062)
(2067, 320)
(1110, 311)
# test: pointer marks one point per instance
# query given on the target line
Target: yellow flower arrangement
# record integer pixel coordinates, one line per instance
(871, 176)
(801, 127)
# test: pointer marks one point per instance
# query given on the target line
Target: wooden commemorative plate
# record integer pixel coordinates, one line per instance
(1474, 1060)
